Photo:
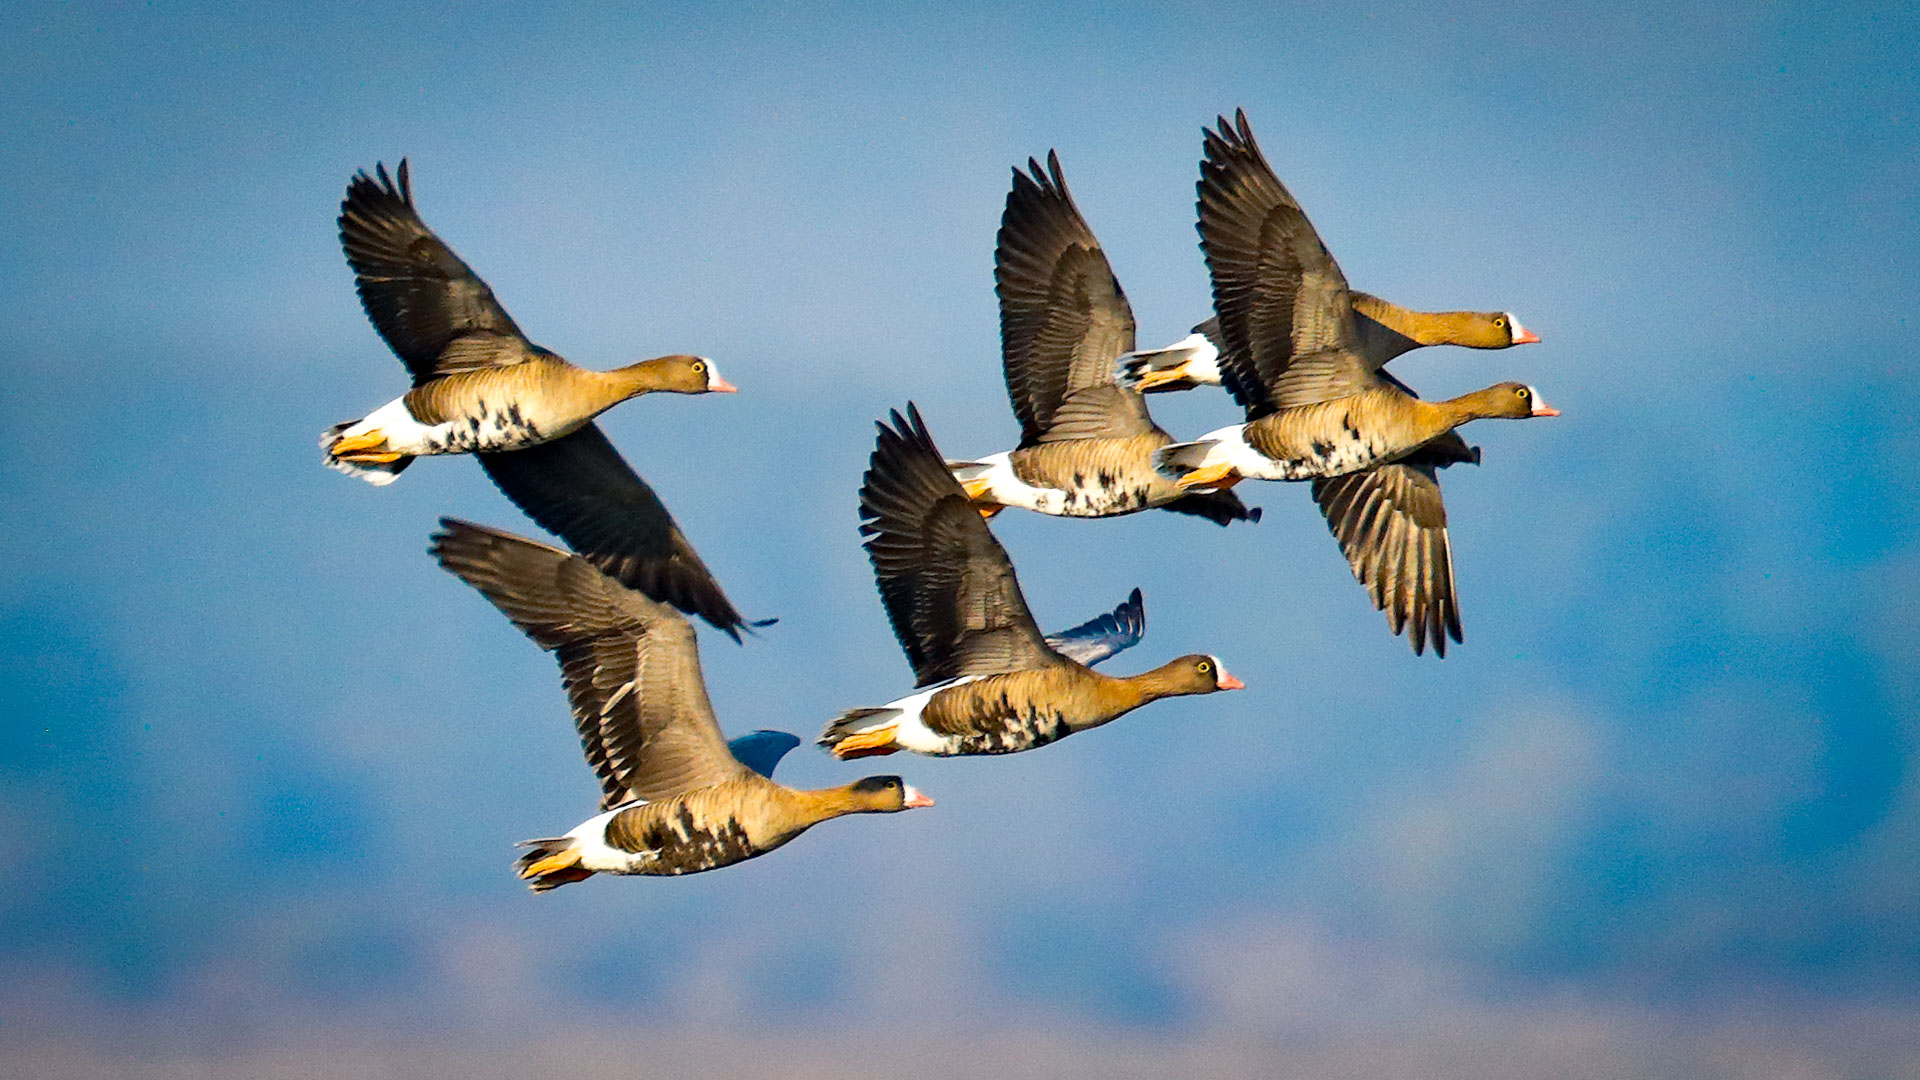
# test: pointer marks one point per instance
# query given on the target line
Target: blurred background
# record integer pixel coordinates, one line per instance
(264, 763)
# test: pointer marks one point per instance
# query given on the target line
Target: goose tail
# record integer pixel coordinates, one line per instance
(377, 473)
(550, 863)
(861, 733)
(1179, 459)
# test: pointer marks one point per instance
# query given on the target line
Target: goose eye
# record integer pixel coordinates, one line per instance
(698, 366)
(1499, 321)
(1203, 667)
(1520, 392)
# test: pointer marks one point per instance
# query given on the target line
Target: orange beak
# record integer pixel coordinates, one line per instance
(1228, 682)
(1527, 337)
(915, 799)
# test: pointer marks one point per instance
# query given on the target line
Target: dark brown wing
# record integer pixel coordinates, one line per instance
(947, 584)
(631, 666)
(1063, 317)
(1286, 321)
(429, 306)
(1392, 527)
(1219, 507)
(580, 489)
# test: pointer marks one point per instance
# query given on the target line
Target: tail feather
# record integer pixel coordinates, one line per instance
(378, 474)
(1181, 458)
(964, 471)
(853, 723)
(1135, 365)
(543, 849)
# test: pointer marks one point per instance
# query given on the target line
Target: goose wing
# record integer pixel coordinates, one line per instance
(947, 584)
(1391, 525)
(1284, 310)
(1063, 317)
(579, 488)
(430, 307)
(631, 666)
(1099, 638)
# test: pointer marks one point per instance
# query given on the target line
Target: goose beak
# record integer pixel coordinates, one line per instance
(1544, 409)
(1522, 335)
(718, 385)
(1228, 682)
(915, 799)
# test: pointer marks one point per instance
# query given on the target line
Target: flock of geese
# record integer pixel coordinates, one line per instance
(1301, 353)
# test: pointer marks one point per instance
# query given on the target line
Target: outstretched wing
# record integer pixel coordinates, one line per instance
(762, 750)
(1063, 317)
(580, 489)
(1286, 320)
(1101, 637)
(631, 666)
(947, 584)
(430, 307)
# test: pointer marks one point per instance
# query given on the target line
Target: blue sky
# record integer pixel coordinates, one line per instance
(263, 761)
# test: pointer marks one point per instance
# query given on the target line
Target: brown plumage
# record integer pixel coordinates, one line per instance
(1086, 443)
(1302, 353)
(988, 681)
(676, 800)
(481, 386)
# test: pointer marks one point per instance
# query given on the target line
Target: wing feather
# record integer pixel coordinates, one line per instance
(631, 666)
(580, 489)
(1064, 319)
(430, 307)
(947, 584)
(1285, 313)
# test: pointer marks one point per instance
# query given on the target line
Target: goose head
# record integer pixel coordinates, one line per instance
(680, 374)
(883, 795)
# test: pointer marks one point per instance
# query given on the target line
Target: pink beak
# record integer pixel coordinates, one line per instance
(1545, 410)
(1527, 337)
(1228, 682)
(718, 385)
(915, 799)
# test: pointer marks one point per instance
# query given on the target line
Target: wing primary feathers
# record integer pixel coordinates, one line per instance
(948, 588)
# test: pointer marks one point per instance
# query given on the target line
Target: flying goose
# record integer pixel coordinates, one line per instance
(1385, 330)
(985, 680)
(1317, 404)
(676, 798)
(479, 386)
(1086, 443)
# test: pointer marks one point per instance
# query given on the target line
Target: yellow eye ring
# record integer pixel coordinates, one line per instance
(698, 366)
(1520, 392)
(1204, 667)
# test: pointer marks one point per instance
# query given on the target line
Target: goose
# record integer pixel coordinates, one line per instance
(481, 387)
(985, 680)
(1385, 330)
(1086, 443)
(1317, 405)
(676, 799)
